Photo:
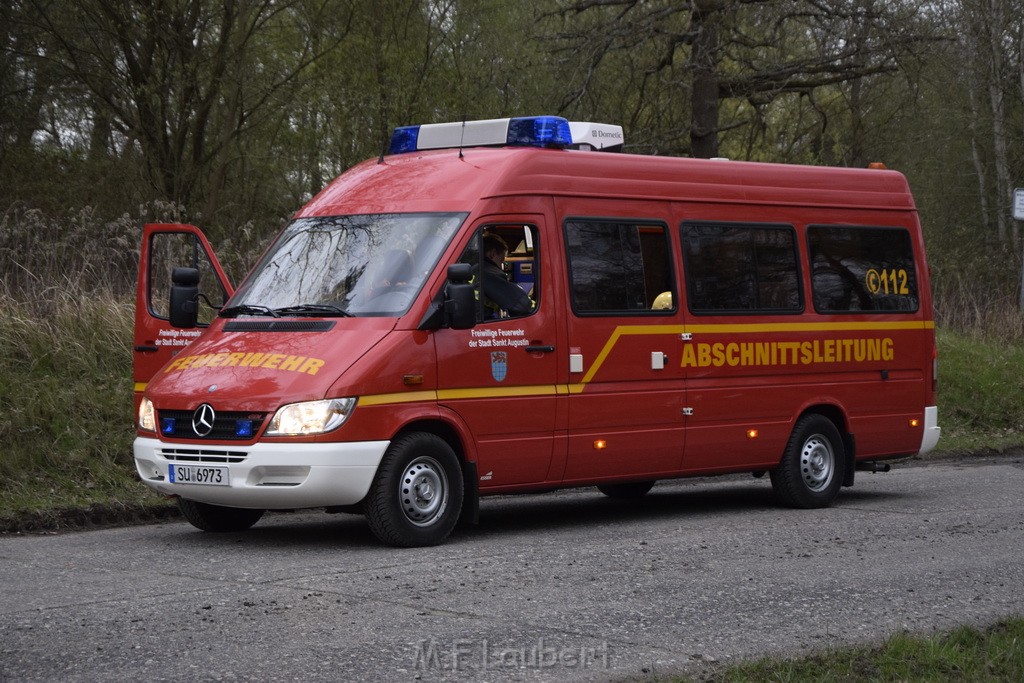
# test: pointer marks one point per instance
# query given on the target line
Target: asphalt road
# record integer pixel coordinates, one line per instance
(564, 586)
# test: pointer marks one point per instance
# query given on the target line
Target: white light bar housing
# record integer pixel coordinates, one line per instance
(534, 131)
(463, 134)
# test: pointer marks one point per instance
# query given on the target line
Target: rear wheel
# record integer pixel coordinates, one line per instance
(416, 497)
(217, 517)
(634, 489)
(811, 471)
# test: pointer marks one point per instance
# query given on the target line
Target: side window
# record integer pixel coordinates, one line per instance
(855, 268)
(741, 268)
(170, 250)
(506, 273)
(619, 266)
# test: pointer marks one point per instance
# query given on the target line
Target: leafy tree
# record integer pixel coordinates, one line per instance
(706, 54)
(182, 81)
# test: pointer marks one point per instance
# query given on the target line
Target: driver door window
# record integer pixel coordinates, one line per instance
(504, 260)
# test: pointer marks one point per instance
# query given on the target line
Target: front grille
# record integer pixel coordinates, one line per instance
(202, 455)
(177, 424)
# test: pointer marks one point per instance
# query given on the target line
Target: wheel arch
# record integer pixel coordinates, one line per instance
(459, 443)
(837, 416)
(439, 428)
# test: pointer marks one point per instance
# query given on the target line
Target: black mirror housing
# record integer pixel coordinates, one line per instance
(184, 304)
(460, 297)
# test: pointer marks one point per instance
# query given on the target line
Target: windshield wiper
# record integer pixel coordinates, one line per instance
(246, 309)
(313, 310)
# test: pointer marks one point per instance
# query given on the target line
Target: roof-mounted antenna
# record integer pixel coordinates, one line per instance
(462, 136)
(383, 151)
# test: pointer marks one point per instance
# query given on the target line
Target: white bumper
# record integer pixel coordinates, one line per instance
(931, 429)
(266, 475)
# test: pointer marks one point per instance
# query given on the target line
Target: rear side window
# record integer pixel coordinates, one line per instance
(734, 268)
(618, 266)
(855, 268)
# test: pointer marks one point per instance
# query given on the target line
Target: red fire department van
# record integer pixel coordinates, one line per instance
(504, 306)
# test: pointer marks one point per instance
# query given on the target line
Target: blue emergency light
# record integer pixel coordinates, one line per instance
(527, 131)
(243, 428)
(403, 139)
(539, 131)
(167, 425)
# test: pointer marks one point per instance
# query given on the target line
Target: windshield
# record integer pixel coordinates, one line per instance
(372, 265)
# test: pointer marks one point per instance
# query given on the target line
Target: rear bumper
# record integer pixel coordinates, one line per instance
(931, 429)
(266, 475)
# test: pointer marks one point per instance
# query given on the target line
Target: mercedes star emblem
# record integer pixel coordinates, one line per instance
(202, 420)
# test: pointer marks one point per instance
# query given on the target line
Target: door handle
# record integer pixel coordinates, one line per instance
(540, 349)
(146, 349)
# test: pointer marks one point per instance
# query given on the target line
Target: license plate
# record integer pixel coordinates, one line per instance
(205, 475)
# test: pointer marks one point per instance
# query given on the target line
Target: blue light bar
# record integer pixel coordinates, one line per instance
(528, 131)
(539, 131)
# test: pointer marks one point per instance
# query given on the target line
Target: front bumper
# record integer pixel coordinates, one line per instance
(266, 475)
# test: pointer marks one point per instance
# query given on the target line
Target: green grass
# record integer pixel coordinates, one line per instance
(980, 389)
(966, 654)
(66, 407)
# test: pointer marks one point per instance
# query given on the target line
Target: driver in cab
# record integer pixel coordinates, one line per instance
(498, 290)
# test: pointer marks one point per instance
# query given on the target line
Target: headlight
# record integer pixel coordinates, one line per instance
(147, 416)
(311, 417)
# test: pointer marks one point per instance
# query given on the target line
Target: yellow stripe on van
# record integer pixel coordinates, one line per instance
(461, 394)
(497, 392)
(620, 331)
(400, 397)
(627, 330)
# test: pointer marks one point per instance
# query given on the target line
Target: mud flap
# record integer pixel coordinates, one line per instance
(470, 515)
(850, 466)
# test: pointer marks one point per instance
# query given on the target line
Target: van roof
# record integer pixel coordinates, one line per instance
(455, 180)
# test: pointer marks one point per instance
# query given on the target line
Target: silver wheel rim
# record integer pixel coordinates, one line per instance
(423, 491)
(817, 463)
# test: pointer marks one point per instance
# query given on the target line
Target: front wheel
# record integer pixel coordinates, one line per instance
(217, 517)
(811, 471)
(416, 497)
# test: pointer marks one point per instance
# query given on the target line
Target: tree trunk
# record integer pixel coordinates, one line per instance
(703, 66)
(995, 93)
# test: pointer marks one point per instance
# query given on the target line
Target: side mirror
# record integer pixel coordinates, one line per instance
(460, 297)
(184, 304)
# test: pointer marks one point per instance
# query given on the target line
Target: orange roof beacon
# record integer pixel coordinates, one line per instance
(505, 306)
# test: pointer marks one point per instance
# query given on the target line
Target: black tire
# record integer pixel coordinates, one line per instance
(217, 517)
(811, 471)
(416, 497)
(634, 489)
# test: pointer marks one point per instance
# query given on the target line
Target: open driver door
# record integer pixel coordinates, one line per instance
(165, 248)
